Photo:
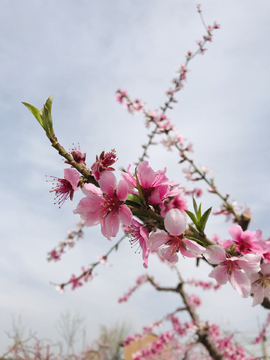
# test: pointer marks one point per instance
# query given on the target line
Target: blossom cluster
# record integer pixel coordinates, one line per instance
(160, 208)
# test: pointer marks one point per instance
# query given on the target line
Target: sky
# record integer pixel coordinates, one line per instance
(82, 52)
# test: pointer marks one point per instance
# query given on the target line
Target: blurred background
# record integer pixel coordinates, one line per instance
(82, 52)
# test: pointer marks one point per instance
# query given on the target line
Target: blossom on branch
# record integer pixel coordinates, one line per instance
(232, 268)
(64, 188)
(103, 163)
(108, 208)
(138, 234)
(175, 224)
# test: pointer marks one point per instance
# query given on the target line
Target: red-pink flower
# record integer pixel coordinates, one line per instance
(103, 163)
(107, 208)
(138, 234)
(64, 188)
(245, 241)
(75, 282)
(78, 156)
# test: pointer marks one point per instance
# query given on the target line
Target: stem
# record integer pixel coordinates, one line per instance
(80, 167)
(115, 246)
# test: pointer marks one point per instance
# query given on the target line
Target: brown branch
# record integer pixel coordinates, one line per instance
(203, 336)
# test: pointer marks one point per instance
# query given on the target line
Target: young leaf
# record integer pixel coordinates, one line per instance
(192, 217)
(204, 218)
(195, 206)
(35, 112)
(134, 198)
(199, 213)
(46, 115)
(191, 228)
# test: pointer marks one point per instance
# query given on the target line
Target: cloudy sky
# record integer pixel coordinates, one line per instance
(82, 52)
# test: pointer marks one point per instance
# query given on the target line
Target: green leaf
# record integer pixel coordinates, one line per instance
(191, 228)
(199, 213)
(140, 213)
(204, 218)
(192, 217)
(134, 198)
(195, 206)
(46, 115)
(35, 112)
(197, 240)
(43, 116)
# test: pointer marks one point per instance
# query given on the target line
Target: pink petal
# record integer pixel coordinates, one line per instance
(146, 174)
(240, 282)
(122, 190)
(166, 254)
(188, 253)
(73, 177)
(236, 232)
(91, 191)
(129, 178)
(252, 263)
(220, 274)
(265, 268)
(258, 295)
(125, 214)
(214, 254)
(175, 222)
(194, 247)
(111, 224)
(107, 182)
(89, 213)
(158, 238)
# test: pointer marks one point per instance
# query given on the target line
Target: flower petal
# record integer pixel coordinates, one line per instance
(220, 274)
(175, 222)
(158, 238)
(240, 282)
(107, 182)
(125, 214)
(214, 254)
(122, 190)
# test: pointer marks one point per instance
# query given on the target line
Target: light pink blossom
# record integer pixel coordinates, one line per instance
(260, 284)
(175, 224)
(108, 208)
(232, 268)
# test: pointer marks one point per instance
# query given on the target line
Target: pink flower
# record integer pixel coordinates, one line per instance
(138, 234)
(121, 95)
(104, 162)
(194, 301)
(260, 284)
(175, 224)
(78, 156)
(245, 241)
(64, 188)
(54, 255)
(103, 260)
(75, 282)
(107, 208)
(232, 268)
(176, 203)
